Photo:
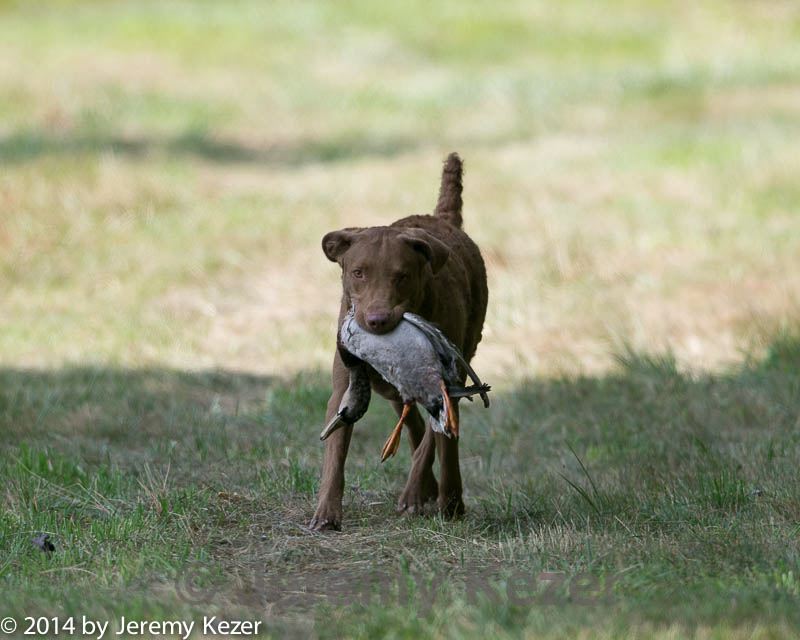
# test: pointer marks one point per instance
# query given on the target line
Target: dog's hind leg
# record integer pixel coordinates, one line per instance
(450, 501)
(421, 486)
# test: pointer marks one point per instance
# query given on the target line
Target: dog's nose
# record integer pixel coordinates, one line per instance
(378, 321)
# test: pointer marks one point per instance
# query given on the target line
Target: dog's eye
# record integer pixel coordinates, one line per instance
(401, 277)
(358, 273)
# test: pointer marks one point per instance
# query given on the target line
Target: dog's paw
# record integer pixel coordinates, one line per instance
(451, 506)
(418, 494)
(326, 519)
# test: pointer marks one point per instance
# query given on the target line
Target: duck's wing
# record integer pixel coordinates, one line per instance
(440, 342)
(446, 350)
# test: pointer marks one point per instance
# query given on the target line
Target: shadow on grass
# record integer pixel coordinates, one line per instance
(669, 483)
(605, 441)
(124, 408)
(29, 145)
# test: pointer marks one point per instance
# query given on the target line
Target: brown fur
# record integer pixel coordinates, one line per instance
(425, 264)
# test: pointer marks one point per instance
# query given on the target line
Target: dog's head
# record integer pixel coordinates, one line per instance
(385, 271)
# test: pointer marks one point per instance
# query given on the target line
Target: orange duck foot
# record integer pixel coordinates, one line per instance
(393, 442)
(452, 418)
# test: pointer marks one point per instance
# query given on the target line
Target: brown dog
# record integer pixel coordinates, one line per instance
(429, 266)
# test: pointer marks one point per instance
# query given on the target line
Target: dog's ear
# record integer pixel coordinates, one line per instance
(433, 250)
(335, 243)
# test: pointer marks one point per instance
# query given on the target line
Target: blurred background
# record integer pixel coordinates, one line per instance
(167, 317)
(168, 168)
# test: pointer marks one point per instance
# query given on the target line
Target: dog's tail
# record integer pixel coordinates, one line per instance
(449, 204)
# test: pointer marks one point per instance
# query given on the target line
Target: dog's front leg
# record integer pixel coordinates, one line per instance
(328, 515)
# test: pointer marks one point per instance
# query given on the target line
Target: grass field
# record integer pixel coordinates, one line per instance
(167, 317)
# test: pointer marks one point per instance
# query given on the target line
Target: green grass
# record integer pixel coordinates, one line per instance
(658, 489)
(166, 316)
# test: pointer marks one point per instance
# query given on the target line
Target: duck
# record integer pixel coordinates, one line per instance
(418, 360)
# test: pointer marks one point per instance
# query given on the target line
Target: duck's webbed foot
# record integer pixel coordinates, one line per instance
(451, 426)
(393, 441)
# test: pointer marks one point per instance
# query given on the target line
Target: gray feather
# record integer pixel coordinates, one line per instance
(447, 350)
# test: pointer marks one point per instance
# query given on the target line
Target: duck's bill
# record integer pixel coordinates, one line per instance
(335, 422)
